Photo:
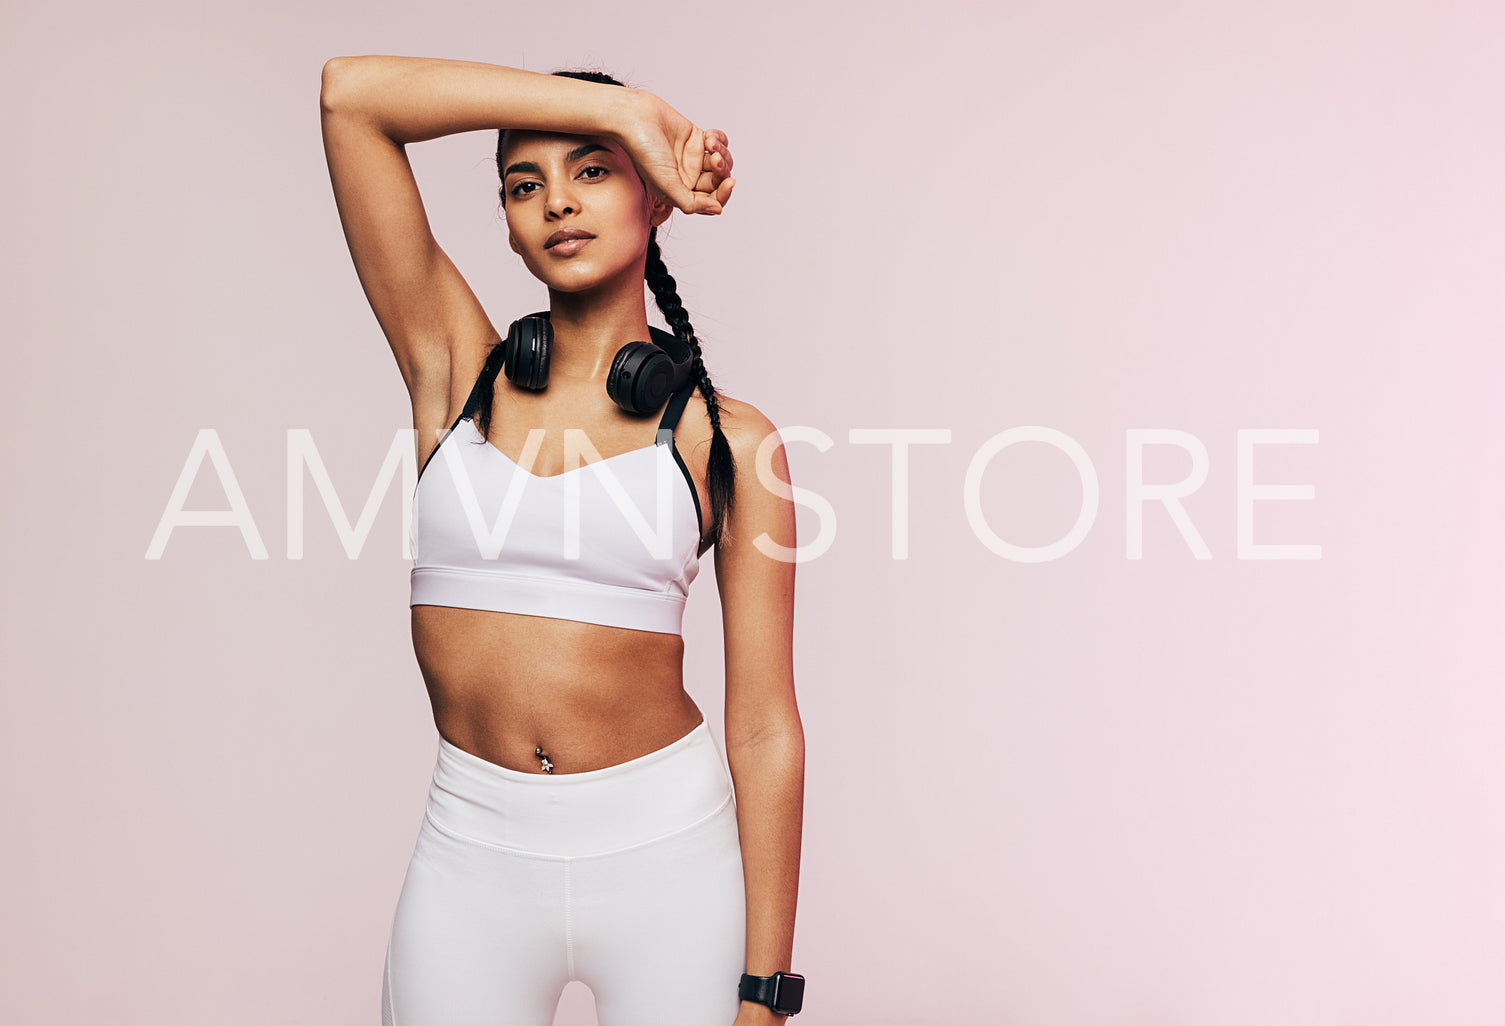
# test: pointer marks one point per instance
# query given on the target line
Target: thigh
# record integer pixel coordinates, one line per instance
(660, 930)
(478, 938)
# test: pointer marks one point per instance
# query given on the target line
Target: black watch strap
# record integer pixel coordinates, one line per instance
(783, 992)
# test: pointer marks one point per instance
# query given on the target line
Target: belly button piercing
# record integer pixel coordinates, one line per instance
(548, 767)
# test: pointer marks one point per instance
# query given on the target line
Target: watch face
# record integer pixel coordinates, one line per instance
(789, 993)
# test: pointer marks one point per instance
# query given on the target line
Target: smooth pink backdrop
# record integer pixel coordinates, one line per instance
(1095, 790)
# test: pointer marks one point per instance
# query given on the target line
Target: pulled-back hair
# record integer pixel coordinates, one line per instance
(721, 468)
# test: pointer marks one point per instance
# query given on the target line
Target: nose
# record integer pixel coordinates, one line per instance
(563, 200)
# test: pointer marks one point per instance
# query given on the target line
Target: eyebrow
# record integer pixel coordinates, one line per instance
(528, 167)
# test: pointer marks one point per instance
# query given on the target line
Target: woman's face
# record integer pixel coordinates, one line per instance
(577, 212)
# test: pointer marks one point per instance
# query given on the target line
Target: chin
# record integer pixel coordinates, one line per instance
(569, 287)
(571, 280)
(581, 278)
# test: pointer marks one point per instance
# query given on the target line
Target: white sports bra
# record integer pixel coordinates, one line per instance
(614, 541)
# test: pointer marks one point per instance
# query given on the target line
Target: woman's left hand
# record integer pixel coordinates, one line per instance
(687, 166)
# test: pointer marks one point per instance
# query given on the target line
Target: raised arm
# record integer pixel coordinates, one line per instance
(765, 741)
(373, 106)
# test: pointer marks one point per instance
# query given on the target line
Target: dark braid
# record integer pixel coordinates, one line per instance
(721, 469)
(483, 398)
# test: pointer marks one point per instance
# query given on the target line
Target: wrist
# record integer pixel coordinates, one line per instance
(780, 995)
(625, 110)
(754, 1014)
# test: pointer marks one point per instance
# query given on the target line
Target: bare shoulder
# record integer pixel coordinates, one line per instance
(762, 509)
(747, 428)
(757, 500)
(744, 425)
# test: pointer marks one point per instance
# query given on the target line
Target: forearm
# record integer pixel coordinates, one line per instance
(411, 99)
(769, 776)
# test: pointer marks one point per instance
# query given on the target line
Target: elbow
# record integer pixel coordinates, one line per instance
(773, 737)
(330, 79)
(771, 757)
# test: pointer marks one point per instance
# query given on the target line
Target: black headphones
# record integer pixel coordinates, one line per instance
(642, 377)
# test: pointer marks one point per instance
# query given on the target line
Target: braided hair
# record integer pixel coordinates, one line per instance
(721, 467)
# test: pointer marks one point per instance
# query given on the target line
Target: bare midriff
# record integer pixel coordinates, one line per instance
(505, 686)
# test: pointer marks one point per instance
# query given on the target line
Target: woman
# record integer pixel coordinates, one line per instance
(581, 823)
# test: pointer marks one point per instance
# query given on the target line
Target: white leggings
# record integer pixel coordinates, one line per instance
(628, 878)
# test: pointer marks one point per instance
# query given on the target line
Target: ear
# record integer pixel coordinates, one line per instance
(660, 212)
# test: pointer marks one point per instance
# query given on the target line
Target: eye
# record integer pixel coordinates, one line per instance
(522, 189)
(588, 176)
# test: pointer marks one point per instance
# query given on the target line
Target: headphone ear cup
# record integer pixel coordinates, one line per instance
(527, 357)
(642, 377)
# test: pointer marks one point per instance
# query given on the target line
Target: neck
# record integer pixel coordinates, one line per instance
(589, 329)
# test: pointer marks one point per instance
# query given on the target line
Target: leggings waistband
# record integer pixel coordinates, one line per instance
(574, 814)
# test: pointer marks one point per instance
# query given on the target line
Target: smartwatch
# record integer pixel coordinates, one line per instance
(783, 992)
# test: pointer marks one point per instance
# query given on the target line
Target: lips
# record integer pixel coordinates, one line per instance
(566, 235)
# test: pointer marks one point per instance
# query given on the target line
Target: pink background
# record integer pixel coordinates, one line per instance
(1094, 790)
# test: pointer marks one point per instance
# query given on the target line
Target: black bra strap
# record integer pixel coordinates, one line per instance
(477, 391)
(676, 406)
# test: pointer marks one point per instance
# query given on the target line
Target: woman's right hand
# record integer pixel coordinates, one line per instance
(685, 165)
